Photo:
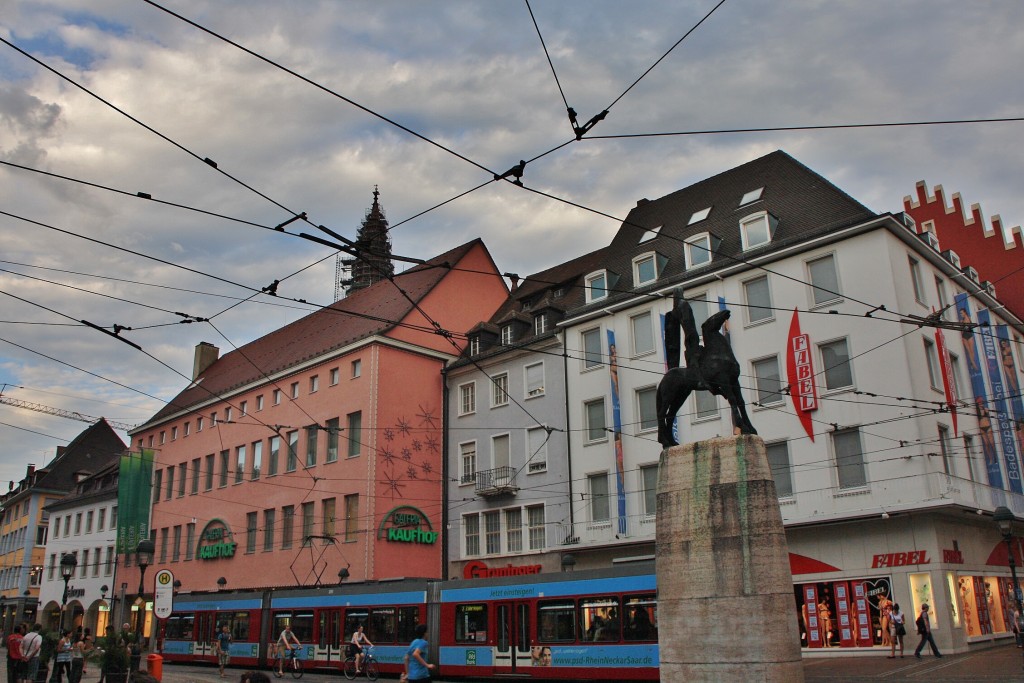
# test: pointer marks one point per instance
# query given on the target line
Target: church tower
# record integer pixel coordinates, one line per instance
(374, 246)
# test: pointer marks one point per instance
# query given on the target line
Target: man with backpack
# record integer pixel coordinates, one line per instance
(924, 629)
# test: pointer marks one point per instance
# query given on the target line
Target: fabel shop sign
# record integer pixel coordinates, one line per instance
(216, 541)
(900, 559)
(406, 524)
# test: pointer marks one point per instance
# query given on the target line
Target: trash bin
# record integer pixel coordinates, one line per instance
(155, 665)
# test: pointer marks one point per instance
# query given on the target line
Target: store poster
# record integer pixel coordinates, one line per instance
(1012, 379)
(974, 372)
(620, 482)
(841, 613)
(921, 594)
(1007, 433)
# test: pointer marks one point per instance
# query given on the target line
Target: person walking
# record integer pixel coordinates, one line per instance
(79, 650)
(416, 666)
(14, 658)
(223, 648)
(31, 646)
(924, 628)
(897, 629)
(63, 659)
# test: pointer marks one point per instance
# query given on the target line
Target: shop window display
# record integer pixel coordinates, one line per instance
(986, 604)
(843, 613)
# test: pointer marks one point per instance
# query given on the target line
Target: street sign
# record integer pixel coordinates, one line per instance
(163, 593)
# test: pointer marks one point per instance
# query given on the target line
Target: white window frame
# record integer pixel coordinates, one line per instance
(357, 368)
(769, 314)
(590, 362)
(916, 280)
(778, 472)
(705, 415)
(474, 345)
(592, 508)
(633, 327)
(862, 464)
(692, 248)
(651, 257)
(648, 507)
(540, 324)
(587, 428)
(506, 335)
(825, 368)
(535, 392)
(747, 223)
(499, 389)
(536, 454)
(467, 398)
(931, 358)
(596, 293)
(638, 405)
(466, 477)
(774, 394)
(820, 294)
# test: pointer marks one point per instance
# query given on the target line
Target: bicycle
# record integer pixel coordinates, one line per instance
(370, 667)
(295, 667)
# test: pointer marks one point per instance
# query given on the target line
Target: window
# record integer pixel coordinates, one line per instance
(592, 357)
(759, 300)
(945, 448)
(534, 379)
(164, 540)
(755, 230)
(311, 444)
(931, 357)
(335, 376)
(645, 269)
(239, 464)
(272, 454)
(188, 428)
(597, 485)
(163, 437)
(649, 486)
(782, 471)
(269, 520)
(915, 279)
(954, 371)
(940, 289)
(182, 476)
(170, 483)
(355, 433)
(277, 397)
(767, 381)
(467, 398)
(158, 486)
(357, 368)
(108, 565)
(835, 359)
(642, 618)
(259, 403)
(535, 521)
(333, 427)
(492, 532)
(257, 460)
(199, 425)
(88, 521)
(514, 530)
(499, 390)
(849, 458)
(705, 405)
(293, 451)
(225, 466)
(751, 196)
(506, 335)
(208, 484)
(824, 280)
(196, 466)
(352, 518)
(471, 524)
(250, 532)
(646, 409)
(314, 384)
(540, 324)
(537, 449)
(594, 419)
(174, 433)
(556, 621)
(176, 544)
(243, 408)
(500, 453)
(190, 541)
(84, 564)
(474, 345)
(307, 521)
(971, 452)
(467, 460)
(697, 250)
(295, 390)
(643, 333)
(101, 519)
(328, 509)
(650, 234)
(287, 526)
(698, 216)
(596, 286)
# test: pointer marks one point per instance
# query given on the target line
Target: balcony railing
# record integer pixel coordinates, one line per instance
(497, 482)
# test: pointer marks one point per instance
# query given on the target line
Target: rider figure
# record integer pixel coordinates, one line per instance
(358, 640)
(285, 644)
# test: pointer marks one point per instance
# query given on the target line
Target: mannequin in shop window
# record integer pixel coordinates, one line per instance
(884, 612)
(825, 616)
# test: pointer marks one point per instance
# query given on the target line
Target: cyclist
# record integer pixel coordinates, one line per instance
(358, 640)
(284, 644)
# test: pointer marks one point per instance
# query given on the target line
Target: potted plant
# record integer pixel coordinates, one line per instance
(111, 656)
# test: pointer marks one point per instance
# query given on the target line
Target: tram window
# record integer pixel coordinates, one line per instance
(471, 623)
(556, 621)
(302, 626)
(180, 627)
(354, 618)
(237, 622)
(641, 618)
(408, 619)
(382, 625)
(600, 618)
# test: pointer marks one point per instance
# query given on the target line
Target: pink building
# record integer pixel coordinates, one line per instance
(317, 448)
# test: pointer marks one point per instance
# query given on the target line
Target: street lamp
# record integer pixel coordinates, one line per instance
(1003, 517)
(144, 555)
(67, 569)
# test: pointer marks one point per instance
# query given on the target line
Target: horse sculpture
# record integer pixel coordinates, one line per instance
(712, 367)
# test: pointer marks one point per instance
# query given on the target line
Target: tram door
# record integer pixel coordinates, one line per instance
(206, 632)
(330, 646)
(513, 623)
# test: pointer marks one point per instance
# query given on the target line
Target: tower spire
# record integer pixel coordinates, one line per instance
(373, 243)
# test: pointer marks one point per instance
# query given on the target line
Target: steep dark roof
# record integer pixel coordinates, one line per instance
(366, 312)
(90, 452)
(801, 201)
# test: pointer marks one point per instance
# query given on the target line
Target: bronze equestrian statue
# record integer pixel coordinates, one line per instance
(712, 367)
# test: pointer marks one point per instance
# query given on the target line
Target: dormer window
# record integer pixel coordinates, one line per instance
(540, 324)
(597, 286)
(527, 304)
(751, 196)
(645, 269)
(474, 345)
(697, 250)
(698, 216)
(755, 230)
(649, 235)
(506, 335)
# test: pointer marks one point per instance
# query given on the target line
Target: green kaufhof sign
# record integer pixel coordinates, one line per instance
(406, 524)
(216, 541)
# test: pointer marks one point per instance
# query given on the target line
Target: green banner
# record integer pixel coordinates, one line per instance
(134, 490)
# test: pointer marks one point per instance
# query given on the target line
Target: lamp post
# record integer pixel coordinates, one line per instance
(144, 555)
(67, 569)
(1004, 519)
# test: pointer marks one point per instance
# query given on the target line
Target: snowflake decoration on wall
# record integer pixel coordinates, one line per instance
(389, 434)
(427, 418)
(404, 426)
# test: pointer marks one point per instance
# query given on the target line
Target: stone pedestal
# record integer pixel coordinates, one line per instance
(726, 610)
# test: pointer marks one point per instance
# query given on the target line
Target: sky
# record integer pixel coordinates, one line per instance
(317, 103)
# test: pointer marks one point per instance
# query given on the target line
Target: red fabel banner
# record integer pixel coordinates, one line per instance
(800, 372)
(947, 376)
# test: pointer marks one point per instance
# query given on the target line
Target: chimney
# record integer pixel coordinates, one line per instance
(29, 471)
(206, 355)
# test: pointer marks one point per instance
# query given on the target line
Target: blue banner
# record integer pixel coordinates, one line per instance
(613, 367)
(988, 442)
(1007, 433)
(1012, 383)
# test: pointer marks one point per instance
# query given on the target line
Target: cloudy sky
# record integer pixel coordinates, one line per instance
(426, 100)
